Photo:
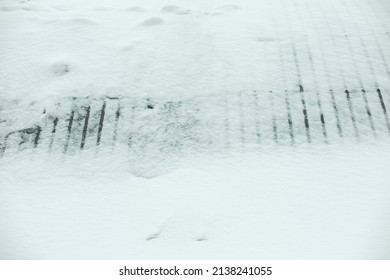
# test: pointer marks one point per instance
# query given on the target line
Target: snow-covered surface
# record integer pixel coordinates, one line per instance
(224, 164)
(316, 204)
(148, 48)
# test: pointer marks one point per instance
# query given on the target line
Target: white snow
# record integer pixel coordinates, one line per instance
(330, 203)
(206, 179)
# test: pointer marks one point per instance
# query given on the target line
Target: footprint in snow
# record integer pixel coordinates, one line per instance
(153, 236)
(60, 68)
(83, 21)
(267, 39)
(189, 228)
(129, 47)
(157, 233)
(220, 10)
(74, 21)
(201, 238)
(135, 9)
(172, 9)
(153, 21)
(228, 8)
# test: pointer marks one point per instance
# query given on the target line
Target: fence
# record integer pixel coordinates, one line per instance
(229, 120)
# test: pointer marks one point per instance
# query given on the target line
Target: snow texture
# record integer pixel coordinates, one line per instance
(194, 129)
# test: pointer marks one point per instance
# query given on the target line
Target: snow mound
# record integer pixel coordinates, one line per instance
(172, 9)
(153, 21)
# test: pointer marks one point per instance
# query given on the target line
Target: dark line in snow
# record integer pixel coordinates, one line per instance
(353, 118)
(117, 115)
(70, 123)
(101, 121)
(384, 109)
(274, 126)
(53, 132)
(287, 98)
(37, 135)
(257, 122)
(306, 119)
(368, 111)
(85, 128)
(289, 118)
(334, 104)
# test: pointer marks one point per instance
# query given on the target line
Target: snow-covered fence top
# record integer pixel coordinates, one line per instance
(227, 121)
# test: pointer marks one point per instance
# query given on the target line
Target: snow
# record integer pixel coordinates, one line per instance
(194, 47)
(203, 150)
(311, 204)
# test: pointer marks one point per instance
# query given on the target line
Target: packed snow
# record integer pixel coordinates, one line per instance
(251, 129)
